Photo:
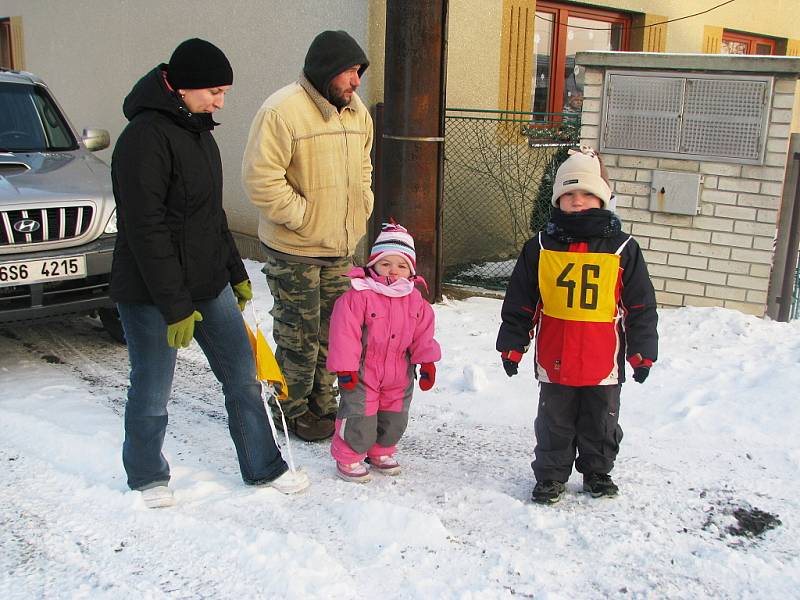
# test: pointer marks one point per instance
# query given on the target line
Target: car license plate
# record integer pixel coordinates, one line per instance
(35, 271)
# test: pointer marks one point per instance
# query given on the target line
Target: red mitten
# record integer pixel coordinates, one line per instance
(347, 379)
(427, 376)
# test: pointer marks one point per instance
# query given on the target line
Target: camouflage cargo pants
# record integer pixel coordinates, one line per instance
(303, 296)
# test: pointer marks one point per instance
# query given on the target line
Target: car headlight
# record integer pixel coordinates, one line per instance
(111, 226)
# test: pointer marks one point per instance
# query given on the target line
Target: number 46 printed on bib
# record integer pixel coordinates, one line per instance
(579, 286)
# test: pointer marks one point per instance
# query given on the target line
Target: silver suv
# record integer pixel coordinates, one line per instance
(57, 213)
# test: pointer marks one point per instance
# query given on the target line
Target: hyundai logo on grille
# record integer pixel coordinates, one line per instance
(26, 226)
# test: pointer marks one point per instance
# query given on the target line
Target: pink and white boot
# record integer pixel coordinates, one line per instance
(385, 464)
(355, 472)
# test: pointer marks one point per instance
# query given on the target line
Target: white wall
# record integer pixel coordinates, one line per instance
(91, 52)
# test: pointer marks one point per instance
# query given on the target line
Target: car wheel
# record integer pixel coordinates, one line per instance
(109, 317)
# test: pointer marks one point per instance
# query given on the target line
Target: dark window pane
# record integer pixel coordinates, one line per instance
(30, 121)
(542, 45)
(763, 49)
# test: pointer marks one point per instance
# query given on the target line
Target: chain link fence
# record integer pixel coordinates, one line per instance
(498, 179)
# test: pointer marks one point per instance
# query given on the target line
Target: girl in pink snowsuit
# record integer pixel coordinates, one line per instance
(380, 329)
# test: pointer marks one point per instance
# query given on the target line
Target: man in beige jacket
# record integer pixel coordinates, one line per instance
(307, 168)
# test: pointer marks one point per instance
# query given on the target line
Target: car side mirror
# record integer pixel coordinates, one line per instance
(95, 139)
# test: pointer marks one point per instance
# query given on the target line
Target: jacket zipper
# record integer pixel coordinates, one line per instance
(347, 186)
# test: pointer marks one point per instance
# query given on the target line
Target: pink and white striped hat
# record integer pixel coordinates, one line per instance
(394, 240)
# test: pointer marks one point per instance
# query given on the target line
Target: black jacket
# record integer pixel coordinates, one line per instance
(173, 243)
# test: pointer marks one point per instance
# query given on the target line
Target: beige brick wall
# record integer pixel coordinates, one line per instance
(722, 256)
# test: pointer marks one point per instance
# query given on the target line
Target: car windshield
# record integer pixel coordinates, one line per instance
(30, 121)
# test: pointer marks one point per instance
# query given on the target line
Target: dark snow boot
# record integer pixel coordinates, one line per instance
(548, 492)
(307, 427)
(599, 484)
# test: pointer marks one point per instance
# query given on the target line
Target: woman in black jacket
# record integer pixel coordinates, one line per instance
(177, 274)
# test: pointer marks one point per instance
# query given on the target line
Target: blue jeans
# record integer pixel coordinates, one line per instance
(223, 339)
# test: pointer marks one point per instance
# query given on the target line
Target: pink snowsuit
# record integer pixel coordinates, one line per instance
(381, 338)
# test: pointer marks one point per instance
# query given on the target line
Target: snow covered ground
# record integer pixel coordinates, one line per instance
(710, 440)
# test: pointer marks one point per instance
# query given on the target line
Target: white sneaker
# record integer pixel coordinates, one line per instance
(158, 497)
(290, 482)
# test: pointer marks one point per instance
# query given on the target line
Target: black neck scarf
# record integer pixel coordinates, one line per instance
(582, 226)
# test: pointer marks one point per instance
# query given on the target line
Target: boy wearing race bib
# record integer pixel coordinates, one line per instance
(582, 289)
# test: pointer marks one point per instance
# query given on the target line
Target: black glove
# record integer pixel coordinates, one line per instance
(641, 367)
(511, 362)
(511, 367)
(640, 374)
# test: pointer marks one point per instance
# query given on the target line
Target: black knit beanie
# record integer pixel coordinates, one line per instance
(197, 64)
(330, 53)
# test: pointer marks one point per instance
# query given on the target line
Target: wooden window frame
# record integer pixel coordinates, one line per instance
(5, 26)
(558, 50)
(750, 40)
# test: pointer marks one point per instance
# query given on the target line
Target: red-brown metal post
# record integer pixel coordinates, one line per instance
(412, 149)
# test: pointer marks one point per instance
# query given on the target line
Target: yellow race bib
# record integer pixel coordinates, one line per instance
(579, 286)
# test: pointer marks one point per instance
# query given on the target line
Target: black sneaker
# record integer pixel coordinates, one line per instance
(599, 484)
(548, 492)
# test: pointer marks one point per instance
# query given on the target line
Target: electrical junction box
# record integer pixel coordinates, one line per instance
(675, 192)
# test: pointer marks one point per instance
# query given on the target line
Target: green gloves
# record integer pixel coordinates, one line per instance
(243, 292)
(180, 334)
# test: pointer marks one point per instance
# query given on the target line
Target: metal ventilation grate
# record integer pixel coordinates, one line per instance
(644, 117)
(704, 117)
(724, 117)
